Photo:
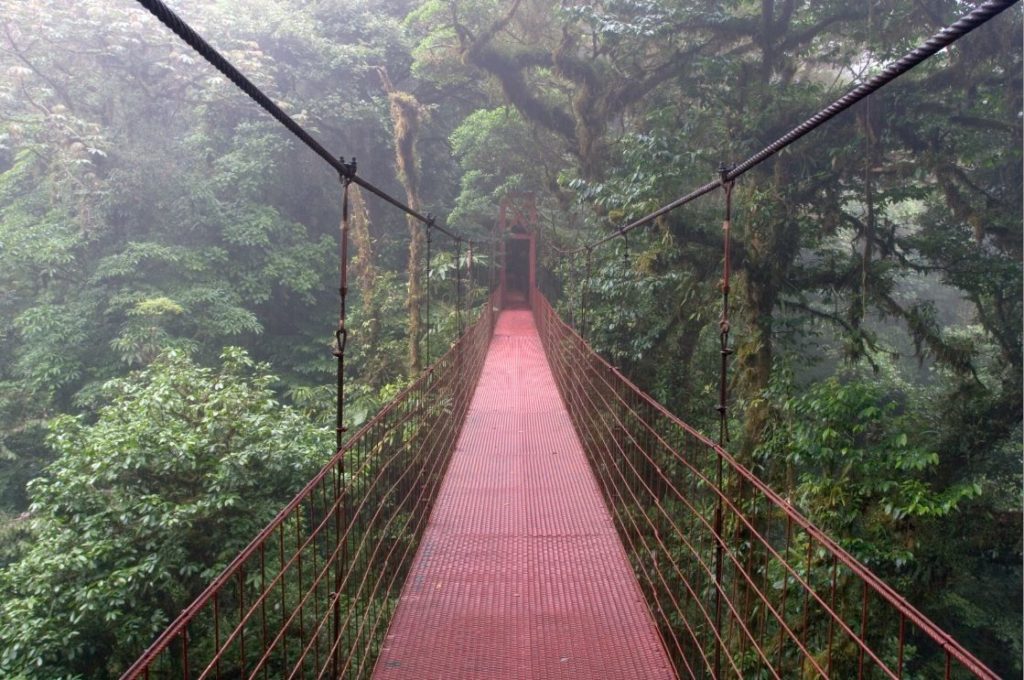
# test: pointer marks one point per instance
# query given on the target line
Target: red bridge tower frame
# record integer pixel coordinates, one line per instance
(517, 222)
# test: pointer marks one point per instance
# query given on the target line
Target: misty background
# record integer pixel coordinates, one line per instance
(168, 271)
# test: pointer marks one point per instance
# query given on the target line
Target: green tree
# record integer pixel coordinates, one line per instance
(146, 204)
(142, 507)
(857, 464)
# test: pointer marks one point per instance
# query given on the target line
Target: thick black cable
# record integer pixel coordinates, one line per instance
(178, 25)
(929, 48)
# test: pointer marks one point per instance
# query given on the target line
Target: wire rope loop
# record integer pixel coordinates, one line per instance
(341, 340)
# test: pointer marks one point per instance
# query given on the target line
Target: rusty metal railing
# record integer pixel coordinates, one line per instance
(313, 594)
(761, 593)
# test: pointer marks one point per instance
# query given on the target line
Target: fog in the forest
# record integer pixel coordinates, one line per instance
(169, 272)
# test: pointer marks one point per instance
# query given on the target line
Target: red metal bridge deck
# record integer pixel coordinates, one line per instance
(520, 573)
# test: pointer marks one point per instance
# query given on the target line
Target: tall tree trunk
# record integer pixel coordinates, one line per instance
(755, 358)
(772, 243)
(364, 267)
(405, 116)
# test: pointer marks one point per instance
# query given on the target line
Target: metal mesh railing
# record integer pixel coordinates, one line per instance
(738, 581)
(313, 594)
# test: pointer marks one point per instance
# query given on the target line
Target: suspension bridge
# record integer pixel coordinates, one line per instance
(523, 510)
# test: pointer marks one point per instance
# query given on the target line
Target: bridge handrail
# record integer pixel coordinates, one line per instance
(545, 310)
(483, 326)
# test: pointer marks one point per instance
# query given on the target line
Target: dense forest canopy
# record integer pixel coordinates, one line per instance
(168, 271)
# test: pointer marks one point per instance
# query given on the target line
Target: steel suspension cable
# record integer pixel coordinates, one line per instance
(723, 405)
(585, 292)
(574, 277)
(939, 41)
(492, 268)
(469, 274)
(341, 339)
(426, 285)
(181, 28)
(564, 270)
(341, 334)
(458, 284)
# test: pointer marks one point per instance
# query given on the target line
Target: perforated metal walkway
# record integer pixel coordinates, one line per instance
(520, 573)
